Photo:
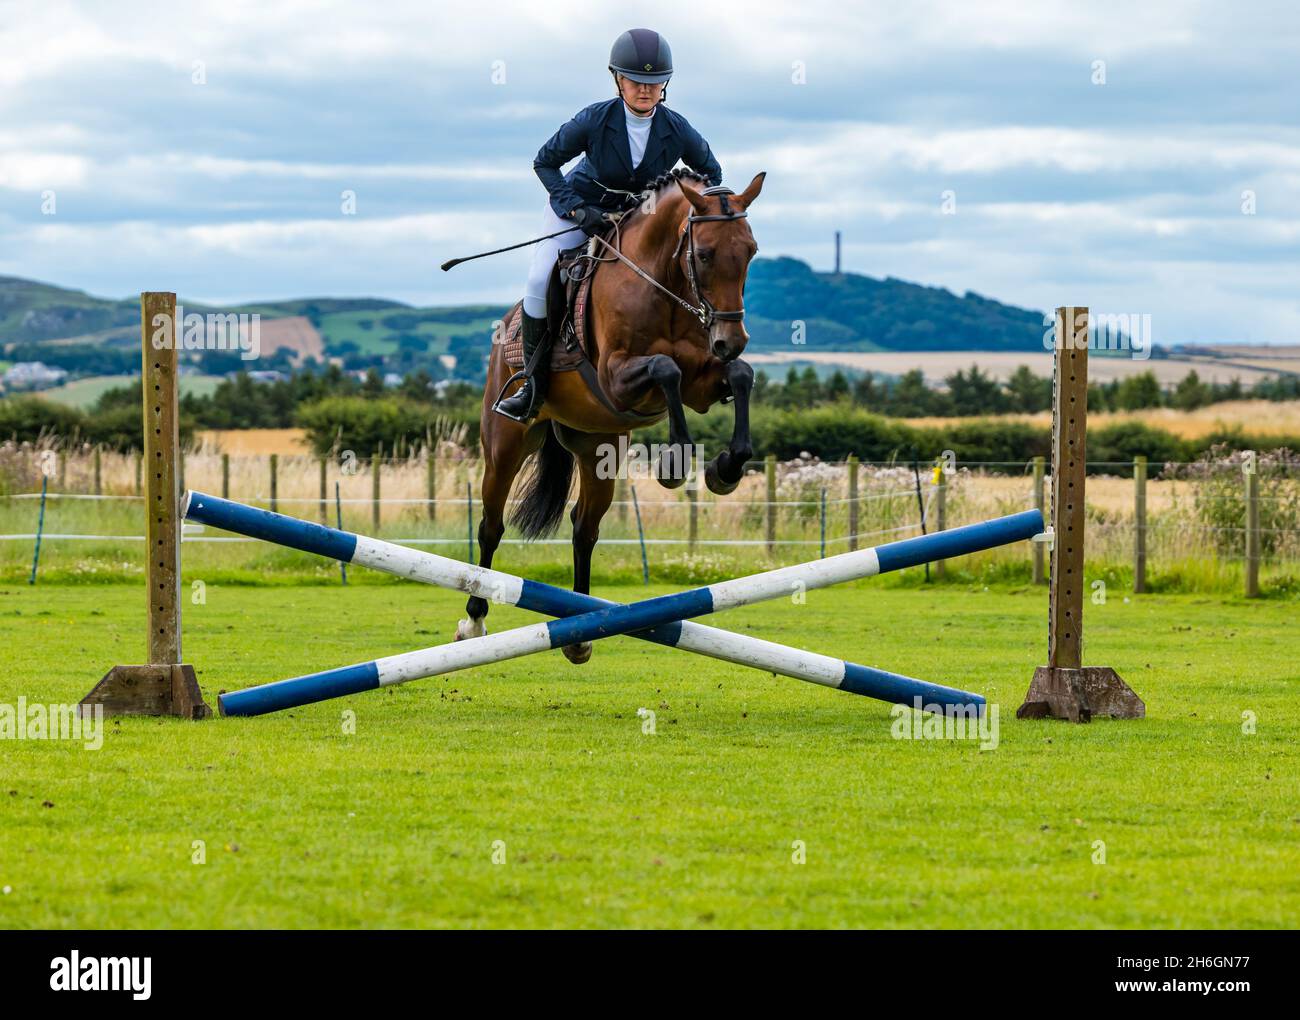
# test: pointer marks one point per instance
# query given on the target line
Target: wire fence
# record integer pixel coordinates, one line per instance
(786, 512)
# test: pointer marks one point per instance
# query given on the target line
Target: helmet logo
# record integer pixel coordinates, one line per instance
(649, 67)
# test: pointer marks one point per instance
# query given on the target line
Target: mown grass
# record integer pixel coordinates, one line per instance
(601, 824)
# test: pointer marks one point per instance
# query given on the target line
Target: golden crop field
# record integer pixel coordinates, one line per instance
(1262, 416)
(1219, 365)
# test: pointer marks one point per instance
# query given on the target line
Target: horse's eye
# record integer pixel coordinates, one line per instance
(705, 256)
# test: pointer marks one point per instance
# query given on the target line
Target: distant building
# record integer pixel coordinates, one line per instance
(267, 375)
(33, 375)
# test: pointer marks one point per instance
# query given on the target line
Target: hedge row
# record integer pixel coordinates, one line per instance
(30, 419)
(830, 432)
(833, 432)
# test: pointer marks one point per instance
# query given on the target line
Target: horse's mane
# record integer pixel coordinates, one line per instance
(668, 179)
(659, 187)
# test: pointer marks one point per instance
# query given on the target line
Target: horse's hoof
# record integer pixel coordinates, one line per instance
(673, 466)
(577, 654)
(668, 481)
(716, 483)
(471, 628)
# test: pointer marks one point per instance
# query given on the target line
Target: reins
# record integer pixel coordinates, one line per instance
(703, 310)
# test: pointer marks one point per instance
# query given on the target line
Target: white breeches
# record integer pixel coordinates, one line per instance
(544, 256)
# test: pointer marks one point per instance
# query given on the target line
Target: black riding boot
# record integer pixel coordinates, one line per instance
(524, 403)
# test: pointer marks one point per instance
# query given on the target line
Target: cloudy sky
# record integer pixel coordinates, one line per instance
(1136, 157)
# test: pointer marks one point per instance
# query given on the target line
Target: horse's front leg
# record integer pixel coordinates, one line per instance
(723, 473)
(660, 371)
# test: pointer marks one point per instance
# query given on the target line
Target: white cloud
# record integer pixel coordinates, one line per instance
(1132, 188)
(36, 171)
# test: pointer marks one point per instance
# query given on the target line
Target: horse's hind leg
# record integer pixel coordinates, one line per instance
(502, 456)
(595, 494)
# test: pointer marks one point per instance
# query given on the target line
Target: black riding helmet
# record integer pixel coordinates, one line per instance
(642, 55)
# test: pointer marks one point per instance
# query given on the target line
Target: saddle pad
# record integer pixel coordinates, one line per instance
(564, 357)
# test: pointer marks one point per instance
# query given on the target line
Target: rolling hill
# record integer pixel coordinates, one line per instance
(845, 312)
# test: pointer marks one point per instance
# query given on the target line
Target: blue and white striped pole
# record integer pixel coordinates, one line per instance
(660, 620)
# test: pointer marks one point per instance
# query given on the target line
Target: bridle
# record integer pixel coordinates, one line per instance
(702, 309)
(707, 313)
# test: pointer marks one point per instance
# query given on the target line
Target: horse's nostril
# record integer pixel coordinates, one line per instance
(719, 349)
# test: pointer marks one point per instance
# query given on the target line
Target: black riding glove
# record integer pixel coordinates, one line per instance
(591, 218)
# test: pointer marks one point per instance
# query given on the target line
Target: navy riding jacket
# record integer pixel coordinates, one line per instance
(600, 131)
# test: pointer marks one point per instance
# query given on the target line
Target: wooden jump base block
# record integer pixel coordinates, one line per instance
(664, 620)
(1065, 688)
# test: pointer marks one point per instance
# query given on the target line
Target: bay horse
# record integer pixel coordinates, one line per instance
(659, 344)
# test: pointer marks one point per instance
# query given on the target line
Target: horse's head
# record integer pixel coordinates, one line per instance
(714, 253)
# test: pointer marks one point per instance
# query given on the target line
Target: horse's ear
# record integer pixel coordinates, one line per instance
(746, 197)
(694, 197)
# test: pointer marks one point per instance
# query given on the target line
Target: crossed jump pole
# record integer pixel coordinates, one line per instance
(664, 620)
(166, 685)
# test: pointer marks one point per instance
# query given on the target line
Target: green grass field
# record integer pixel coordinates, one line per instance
(697, 825)
(372, 335)
(82, 393)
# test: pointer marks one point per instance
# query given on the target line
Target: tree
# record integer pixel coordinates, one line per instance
(974, 393)
(865, 391)
(801, 389)
(417, 386)
(910, 397)
(1191, 393)
(1027, 392)
(1138, 392)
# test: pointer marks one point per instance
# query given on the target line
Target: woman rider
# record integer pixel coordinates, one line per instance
(625, 143)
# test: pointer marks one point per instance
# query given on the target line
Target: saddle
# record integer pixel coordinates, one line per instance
(568, 307)
(567, 302)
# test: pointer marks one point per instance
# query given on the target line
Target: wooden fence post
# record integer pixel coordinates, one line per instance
(431, 483)
(375, 462)
(769, 468)
(1139, 525)
(324, 490)
(469, 521)
(275, 472)
(99, 478)
(853, 501)
(941, 515)
(620, 496)
(1252, 527)
(225, 476)
(693, 495)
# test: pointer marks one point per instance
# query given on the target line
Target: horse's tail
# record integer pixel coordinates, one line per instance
(546, 489)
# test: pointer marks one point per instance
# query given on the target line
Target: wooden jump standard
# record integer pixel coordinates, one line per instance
(165, 685)
(1065, 688)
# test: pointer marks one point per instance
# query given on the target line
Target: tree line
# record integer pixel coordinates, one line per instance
(829, 417)
(973, 392)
